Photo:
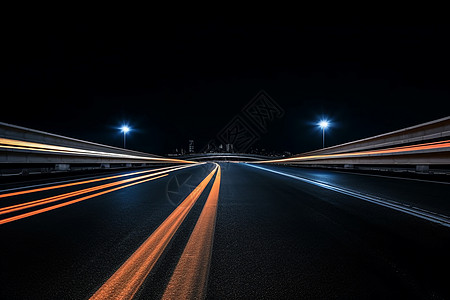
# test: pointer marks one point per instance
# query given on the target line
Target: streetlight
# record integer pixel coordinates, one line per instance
(323, 125)
(125, 129)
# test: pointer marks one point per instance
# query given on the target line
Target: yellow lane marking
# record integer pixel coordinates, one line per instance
(127, 280)
(189, 280)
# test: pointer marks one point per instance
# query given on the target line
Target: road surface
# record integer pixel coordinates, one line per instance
(225, 231)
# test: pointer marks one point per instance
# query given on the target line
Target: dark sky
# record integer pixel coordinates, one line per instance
(175, 79)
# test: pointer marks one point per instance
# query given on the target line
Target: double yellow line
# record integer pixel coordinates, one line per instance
(190, 276)
(114, 186)
(189, 280)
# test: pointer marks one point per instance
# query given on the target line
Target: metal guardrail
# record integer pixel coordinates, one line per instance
(407, 146)
(20, 145)
(437, 129)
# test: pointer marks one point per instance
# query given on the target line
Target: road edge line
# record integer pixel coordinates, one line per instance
(416, 212)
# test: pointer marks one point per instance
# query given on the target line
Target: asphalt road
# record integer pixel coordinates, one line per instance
(238, 231)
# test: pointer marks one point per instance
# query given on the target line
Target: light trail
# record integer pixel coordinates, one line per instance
(88, 181)
(42, 210)
(127, 280)
(31, 204)
(412, 148)
(190, 278)
(28, 205)
(77, 183)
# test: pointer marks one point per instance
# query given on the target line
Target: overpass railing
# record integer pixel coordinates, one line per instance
(20, 145)
(421, 145)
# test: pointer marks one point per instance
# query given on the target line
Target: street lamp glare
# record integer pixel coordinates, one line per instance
(324, 124)
(125, 129)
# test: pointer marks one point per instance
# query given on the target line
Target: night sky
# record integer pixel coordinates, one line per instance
(175, 79)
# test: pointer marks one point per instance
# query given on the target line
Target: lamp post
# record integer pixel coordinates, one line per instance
(323, 125)
(125, 129)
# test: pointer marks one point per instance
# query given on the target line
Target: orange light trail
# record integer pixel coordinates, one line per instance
(42, 210)
(412, 148)
(189, 280)
(127, 280)
(27, 205)
(79, 183)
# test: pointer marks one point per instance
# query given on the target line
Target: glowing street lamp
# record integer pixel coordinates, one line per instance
(323, 125)
(125, 129)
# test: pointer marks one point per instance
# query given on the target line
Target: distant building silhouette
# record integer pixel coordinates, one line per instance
(191, 146)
